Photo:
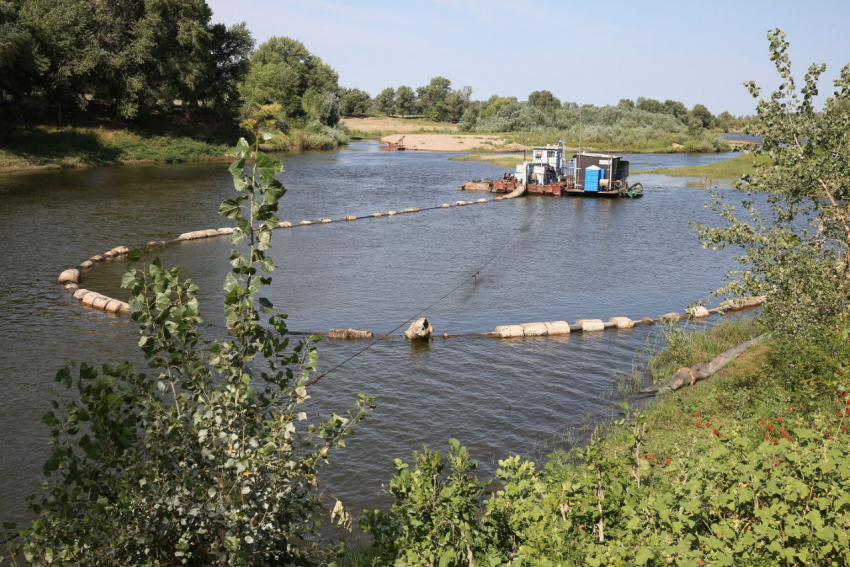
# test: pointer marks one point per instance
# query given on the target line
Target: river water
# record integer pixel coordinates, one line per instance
(566, 258)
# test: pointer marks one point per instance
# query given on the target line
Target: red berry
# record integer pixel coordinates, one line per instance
(699, 424)
(696, 414)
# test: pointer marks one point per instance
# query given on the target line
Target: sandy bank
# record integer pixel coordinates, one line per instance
(387, 125)
(455, 143)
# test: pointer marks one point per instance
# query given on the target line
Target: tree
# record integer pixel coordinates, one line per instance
(649, 105)
(405, 101)
(66, 49)
(543, 100)
(702, 115)
(322, 106)
(385, 101)
(208, 459)
(495, 103)
(796, 250)
(724, 120)
(454, 105)
(433, 95)
(17, 67)
(281, 71)
(468, 120)
(676, 108)
(354, 102)
(626, 103)
(228, 65)
(134, 58)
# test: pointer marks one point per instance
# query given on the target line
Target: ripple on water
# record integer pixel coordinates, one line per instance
(549, 259)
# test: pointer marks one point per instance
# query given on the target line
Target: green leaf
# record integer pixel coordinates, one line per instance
(266, 305)
(230, 209)
(268, 166)
(112, 401)
(64, 377)
(643, 555)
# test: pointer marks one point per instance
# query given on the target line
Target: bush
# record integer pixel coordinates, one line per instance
(727, 498)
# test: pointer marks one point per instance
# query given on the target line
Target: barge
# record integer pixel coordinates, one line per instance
(550, 172)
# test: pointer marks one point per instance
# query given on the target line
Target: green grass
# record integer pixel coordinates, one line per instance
(509, 162)
(634, 140)
(727, 169)
(739, 395)
(94, 142)
(106, 143)
(672, 347)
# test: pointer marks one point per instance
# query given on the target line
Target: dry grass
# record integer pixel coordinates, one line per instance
(385, 125)
(499, 160)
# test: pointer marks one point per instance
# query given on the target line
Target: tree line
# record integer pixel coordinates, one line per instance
(130, 60)
(126, 58)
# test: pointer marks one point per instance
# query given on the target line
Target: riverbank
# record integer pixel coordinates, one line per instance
(508, 161)
(478, 143)
(95, 142)
(447, 137)
(723, 471)
(376, 127)
(89, 144)
(731, 169)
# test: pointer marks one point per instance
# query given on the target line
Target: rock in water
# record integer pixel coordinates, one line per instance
(419, 330)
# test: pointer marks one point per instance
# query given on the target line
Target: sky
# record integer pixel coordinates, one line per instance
(589, 52)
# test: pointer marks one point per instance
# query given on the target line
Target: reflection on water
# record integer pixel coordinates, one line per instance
(567, 259)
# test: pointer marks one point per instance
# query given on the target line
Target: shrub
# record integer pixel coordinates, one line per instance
(724, 498)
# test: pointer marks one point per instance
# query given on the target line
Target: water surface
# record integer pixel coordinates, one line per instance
(546, 259)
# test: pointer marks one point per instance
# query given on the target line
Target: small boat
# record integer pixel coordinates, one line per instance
(396, 146)
(635, 191)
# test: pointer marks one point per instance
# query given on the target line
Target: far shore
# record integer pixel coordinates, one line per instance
(454, 143)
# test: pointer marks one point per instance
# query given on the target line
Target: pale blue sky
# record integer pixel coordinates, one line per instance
(591, 52)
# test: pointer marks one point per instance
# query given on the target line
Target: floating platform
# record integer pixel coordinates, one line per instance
(549, 172)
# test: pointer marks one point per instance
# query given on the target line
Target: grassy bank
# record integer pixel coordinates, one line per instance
(101, 142)
(499, 160)
(104, 143)
(742, 468)
(625, 140)
(726, 170)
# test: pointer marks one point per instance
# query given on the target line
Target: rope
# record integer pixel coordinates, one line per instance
(388, 335)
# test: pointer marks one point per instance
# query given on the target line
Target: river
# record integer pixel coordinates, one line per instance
(568, 258)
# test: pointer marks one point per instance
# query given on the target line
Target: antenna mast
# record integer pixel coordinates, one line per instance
(579, 127)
